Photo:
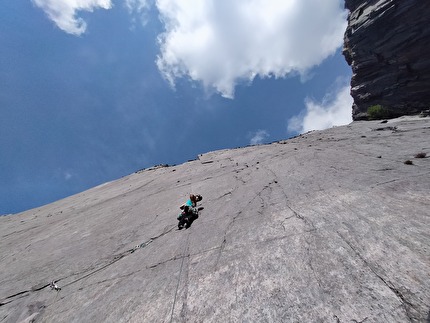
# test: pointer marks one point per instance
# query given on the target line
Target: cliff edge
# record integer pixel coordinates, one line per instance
(387, 44)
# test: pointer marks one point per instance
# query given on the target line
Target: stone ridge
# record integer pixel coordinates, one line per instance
(387, 44)
(330, 226)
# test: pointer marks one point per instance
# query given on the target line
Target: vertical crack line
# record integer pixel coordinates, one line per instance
(308, 250)
(184, 309)
(221, 249)
(407, 306)
(179, 277)
(296, 214)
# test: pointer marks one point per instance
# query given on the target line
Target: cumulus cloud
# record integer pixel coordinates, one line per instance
(334, 110)
(63, 12)
(221, 42)
(259, 137)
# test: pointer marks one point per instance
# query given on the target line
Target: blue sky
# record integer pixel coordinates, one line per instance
(93, 90)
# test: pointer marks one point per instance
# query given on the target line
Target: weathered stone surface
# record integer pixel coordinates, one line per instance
(387, 44)
(330, 226)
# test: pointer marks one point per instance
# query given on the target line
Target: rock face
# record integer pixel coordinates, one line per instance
(387, 44)
(330, 226)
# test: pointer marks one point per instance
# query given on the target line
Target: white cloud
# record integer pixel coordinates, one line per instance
(63, 12)
(223, 42)
(259, 137)
(334, 110)
(137, 5)
(140, 9)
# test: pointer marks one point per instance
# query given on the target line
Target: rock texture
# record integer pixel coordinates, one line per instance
(330, 226)
(387, 44)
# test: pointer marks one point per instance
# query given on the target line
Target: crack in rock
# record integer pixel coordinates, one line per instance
(363, 320)
(407, 306)
(14, 297)
(90, 271)
(309, 254)
(296, 214)
(185, 255)
(221, 249)
(166, 261)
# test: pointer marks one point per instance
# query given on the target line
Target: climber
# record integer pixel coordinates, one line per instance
(192, 201)
(190, 212)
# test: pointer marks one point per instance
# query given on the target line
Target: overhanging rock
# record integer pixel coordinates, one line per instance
(387, 44)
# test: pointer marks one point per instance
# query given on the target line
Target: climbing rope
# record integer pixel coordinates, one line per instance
(116, 258)
(184, 254)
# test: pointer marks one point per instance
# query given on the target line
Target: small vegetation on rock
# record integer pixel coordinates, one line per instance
(420, 155)
(409, 162)
(377, 112)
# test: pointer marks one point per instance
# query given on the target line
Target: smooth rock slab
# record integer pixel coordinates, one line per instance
(330, 226)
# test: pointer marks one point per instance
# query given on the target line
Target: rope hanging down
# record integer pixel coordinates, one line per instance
(114, 260)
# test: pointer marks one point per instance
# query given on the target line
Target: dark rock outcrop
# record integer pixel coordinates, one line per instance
(387, 44)
(330, 226)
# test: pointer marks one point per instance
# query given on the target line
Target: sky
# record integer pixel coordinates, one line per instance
(94, 90)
